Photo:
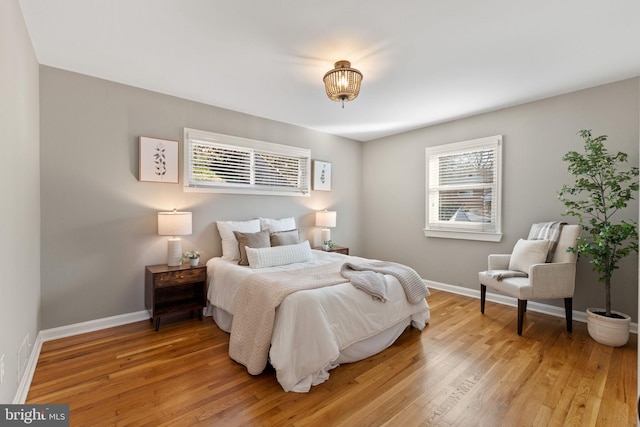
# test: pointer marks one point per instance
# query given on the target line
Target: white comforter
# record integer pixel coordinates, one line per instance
(313, 327)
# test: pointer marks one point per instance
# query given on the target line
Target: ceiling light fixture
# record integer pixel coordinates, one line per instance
(343, 82)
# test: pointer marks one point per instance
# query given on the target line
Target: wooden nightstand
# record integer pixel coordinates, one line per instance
(338, 249)
(174, 289)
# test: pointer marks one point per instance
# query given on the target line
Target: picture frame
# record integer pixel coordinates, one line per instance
(158, 160)
(321, 175)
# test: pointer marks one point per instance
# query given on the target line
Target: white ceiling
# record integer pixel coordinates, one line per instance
(423, 61)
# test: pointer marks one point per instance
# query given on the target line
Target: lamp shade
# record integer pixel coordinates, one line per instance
(174, 223)
(326, 219)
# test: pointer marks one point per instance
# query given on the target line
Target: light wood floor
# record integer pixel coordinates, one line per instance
(464, 369)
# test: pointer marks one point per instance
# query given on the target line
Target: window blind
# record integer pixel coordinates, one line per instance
(246, 166)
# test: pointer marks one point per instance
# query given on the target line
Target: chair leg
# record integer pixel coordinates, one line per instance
(483, 296)
(522, 307)
(568, 309)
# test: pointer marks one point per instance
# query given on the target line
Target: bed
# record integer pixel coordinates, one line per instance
(315, 329)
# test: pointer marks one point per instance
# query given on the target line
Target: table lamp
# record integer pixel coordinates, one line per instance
(174, 224)
(327, 220)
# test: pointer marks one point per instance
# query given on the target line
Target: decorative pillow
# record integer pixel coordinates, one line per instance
(274, 225)
(259, 239)
(283, 238)
(279, 255)
(230, 248)
(528, 252)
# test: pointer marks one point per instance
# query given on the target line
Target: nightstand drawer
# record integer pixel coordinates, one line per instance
(340, 250)
(179, 277)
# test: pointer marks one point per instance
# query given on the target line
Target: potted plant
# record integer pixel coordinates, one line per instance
(192, 256)
(600, 190)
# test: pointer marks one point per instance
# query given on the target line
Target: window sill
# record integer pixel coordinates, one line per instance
(463, 235)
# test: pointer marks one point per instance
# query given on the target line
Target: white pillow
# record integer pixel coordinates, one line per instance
(274, 225)
(279, 255)
(528, 252)
(230, 249)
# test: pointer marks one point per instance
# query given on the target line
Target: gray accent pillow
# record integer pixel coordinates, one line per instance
(284, 238)
(259, 239)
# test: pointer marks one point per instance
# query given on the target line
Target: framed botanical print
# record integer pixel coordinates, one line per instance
(158, 160)
(321, 175)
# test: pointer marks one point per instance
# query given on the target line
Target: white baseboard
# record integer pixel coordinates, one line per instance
(68, 331)
(25, 381)
(551, 310)
(92, 325)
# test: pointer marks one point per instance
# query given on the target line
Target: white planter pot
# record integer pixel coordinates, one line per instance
(194, 262)
(607, 330)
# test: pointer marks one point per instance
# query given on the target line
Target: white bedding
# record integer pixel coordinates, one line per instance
(315, 330)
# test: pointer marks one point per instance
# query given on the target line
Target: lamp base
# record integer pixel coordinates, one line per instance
(174, 252)
(325, 235)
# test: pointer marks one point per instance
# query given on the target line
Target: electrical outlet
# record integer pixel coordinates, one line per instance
(1, 369)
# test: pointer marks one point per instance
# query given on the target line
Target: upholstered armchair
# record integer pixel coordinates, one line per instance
(537, 269)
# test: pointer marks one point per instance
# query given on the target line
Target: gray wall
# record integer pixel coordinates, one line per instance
(99, 222)
(19, 196)
(536, 136)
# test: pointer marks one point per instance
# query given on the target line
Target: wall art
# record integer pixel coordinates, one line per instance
(321, 175)
(158, 160)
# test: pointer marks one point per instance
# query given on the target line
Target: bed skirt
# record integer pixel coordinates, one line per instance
(357, 351)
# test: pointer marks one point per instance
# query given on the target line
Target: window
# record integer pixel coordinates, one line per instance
(228, 164)
(463, 190)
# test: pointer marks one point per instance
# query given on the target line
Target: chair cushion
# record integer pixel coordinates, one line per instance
(516, 287)
(528, 252)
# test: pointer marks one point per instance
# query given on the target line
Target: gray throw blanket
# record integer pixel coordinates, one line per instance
(505, 274)
(547, 231)
(412, 284)
(368, 281)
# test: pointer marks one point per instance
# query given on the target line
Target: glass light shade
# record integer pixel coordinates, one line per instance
(343, 82)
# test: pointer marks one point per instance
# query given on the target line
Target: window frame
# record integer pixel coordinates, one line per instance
(462, 230)
(252, 147)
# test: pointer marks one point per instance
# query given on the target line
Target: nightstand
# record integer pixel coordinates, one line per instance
(338, 249)
(174, 289)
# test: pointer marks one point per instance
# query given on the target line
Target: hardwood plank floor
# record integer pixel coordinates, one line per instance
(464, 369)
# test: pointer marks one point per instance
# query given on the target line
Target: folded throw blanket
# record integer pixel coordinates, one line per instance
(368, 281)
(504, 274)
(547, 231)
(412, 284)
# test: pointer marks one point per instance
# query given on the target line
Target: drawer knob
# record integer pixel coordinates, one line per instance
(182, 277)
